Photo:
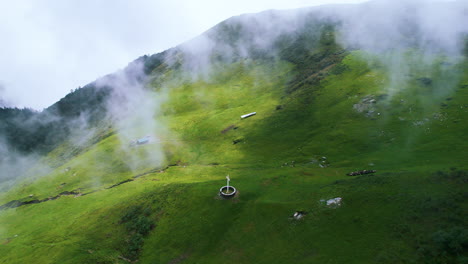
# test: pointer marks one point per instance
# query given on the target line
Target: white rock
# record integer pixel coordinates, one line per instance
(335, 201)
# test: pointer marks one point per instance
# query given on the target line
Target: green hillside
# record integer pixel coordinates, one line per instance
(322, 111)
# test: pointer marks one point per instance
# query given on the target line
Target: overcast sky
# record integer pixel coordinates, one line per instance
(49, 47)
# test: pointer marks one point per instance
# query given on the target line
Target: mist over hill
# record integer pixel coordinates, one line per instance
(377, 26)
(380, 86)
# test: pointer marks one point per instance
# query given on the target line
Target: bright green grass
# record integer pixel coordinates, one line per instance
(386, 218)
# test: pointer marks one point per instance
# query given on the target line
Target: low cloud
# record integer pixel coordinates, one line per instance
(408, 37)
(4, 101)
(133, 108)
(379, 26)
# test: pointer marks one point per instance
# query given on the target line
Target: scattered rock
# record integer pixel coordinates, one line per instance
(298, 215)
(361, 172)
(439, 116)
(335, 202)
(367, 106)
(420, 122)
(324, 162)
(321, 161)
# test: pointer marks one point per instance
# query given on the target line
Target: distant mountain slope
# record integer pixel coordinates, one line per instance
(136, 173)
(303, 37)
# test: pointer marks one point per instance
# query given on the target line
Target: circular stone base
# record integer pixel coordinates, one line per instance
(227, 193)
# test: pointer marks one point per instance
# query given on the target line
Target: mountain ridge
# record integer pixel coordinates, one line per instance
(323, 111)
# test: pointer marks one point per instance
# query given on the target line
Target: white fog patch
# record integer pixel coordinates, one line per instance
(4, 98)
(387, 30)
(237, 37)
(407, 37)
(384, 25)
(133, 109)
(15, 166)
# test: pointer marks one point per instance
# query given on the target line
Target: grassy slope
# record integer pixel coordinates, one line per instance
(392, 217)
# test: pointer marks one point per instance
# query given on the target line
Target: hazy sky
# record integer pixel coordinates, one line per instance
(48, 47)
